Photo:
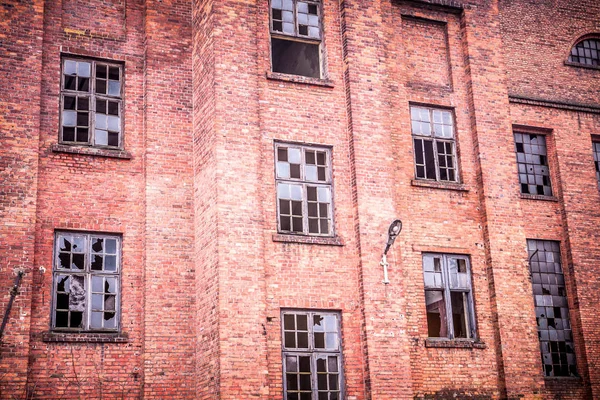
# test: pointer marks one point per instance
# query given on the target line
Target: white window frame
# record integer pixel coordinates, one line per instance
(304, 183)
(92, 96)
(312, 352)
(442, 282)
(435, 139)
(87, 273)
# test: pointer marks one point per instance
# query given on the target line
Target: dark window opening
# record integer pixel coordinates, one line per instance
(586, 52)
(551, 308)
(296, 58)
(532, 162)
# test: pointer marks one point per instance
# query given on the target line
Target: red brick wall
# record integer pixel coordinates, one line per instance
(21, 25)
(205, 274)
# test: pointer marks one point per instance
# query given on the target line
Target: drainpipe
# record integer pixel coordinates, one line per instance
(13, 293)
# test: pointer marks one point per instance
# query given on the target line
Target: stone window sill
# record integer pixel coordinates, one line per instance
(85, 337)
(278, 76)
(320, 240)
(454, 344)
(91, 151)
(573, 64)
(439, 185)
(538, 197)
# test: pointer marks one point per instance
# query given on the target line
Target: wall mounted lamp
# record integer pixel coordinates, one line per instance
(393, 232)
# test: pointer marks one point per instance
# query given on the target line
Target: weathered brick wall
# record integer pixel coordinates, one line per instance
(205, 198)
(21, 26)
(170, 279)
(573, 221)
(90, 193)
(205, 274)
(538, 37)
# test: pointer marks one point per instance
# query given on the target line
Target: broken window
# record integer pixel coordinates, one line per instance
(551, 308)
(91, 103)
(586, 52)
(532, 161)
(86, 282)
(448, 297)
(304, 198)
(596, 149)
(296, 36)
(312, 366)
(434, 144)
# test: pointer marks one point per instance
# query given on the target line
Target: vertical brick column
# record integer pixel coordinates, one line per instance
(504, 234)
(385, 341)
(21, 24)
(243, 369)
(169, 317)
(205, 201)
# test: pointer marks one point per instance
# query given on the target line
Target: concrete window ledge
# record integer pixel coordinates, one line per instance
(328, 241)
(91, 151)
(439, 185)
(84, 337)
(538, 197)
(278, 76)
(454, 344)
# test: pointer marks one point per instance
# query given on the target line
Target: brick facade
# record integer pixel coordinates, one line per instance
(205, 274)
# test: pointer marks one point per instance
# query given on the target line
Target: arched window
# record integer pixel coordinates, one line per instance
(586, 52)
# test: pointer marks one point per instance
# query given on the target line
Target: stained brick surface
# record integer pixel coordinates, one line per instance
(205, 274)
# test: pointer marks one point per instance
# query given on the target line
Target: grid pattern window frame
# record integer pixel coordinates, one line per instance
(297, 18)
(551, 308)
(86, 294)
(91, 103)
(303, 177)
(586, 52)
(311, 355)
(532, 163)
(434, 144)
(596, 150)
(296, 28)
(447, 282)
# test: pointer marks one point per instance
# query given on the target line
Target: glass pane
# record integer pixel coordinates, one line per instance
(311, 173)
(101, 137)
(436, 314)
(110, 285)
(83, 69)
(114, 88)
(69, 118)
(96, 321)
(323, 195)
(291, 364)
(70, 67)
(283, 170)
(114, 123)
(97, 301)
(97, 284)
(110, 263)
(294, 156)
(296, 192)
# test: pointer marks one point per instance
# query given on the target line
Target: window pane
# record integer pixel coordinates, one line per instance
(551, 306)
(436, 313)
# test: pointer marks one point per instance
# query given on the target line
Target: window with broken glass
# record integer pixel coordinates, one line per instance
(304, 195)
(596, 149)
(448, 296)
(296, 35)
(532, 161)
(312, 366)
(434, 144)
(86, 290)
(586, 52)
(551, 308)
(91, 103)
